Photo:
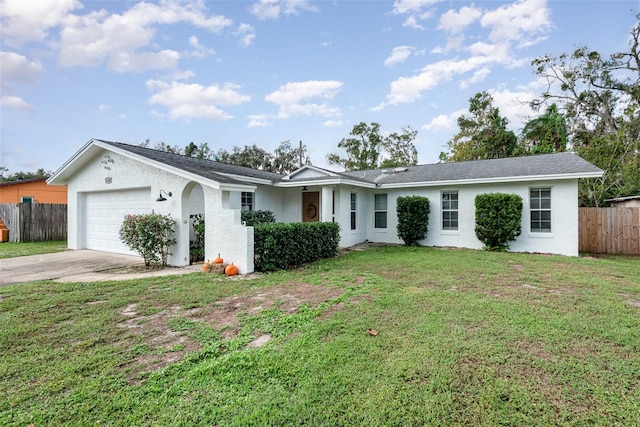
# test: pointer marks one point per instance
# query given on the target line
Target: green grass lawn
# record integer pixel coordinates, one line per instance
(12, 250)
(463, 338)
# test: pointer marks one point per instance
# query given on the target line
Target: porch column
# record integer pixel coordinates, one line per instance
(327, 204)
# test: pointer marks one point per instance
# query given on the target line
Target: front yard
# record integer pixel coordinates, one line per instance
(383, 336)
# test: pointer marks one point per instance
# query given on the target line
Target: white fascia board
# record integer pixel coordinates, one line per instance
(250, 179)
(57, 177)
(493, 180)
(315, 168)
(238, 187)
(332, 181)
(176, 171)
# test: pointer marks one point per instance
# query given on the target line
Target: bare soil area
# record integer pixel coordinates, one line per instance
(164, 345)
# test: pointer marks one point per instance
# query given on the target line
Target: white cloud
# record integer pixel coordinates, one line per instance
(455, 22)
(291, 98)
(514, 105)
(187, 101)
(445, 122)
(332, 123)
(271, 9)
(412, 22)
(246, 33)
(398, 54)
(258, 120)
(409, 89)
(415, 9)
(16, 103)
(120, 39)
(199, 50)
(103, 107)
(411, 6)
(29, 21)
(295, 92)
(518, 21)
(478, 76)
(17, 68)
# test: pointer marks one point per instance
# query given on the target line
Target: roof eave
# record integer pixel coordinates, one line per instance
(498, 180)
(329, 181)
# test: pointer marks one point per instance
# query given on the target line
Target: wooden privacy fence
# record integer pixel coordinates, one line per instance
(34, 222)
(609, 230)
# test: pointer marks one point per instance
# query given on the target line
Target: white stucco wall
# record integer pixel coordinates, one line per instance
(227, 235)
(349, 237)
(124, 174)
(563, 238)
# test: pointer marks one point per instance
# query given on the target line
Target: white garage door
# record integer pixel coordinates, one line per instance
(104, 213)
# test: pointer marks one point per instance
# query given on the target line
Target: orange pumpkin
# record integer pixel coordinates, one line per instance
(218, 260)
(231, 270)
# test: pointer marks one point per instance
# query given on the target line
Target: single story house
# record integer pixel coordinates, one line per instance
(107, 180)
(32, 190)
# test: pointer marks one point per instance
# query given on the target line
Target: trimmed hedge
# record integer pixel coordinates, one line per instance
(413, 218)
(498, 219)
(253, 218)
(279, 246)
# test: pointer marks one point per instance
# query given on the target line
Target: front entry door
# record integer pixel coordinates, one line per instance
(310, 206)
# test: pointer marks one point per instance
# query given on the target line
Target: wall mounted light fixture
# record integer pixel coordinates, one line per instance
(162, 199)
(304, 188)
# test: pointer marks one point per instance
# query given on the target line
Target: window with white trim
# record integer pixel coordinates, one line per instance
(380, 211)
(247, 201)
(353, 210)
(449, 210)
(540, 209)
(26, 199)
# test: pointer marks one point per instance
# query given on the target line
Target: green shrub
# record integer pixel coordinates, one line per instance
(413, 218)
(498, 219)
(278, 246)
(150, 235)
(254, 218)
(196, 246)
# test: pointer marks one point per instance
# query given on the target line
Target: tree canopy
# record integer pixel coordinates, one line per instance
(7, 176)
(546, 133)
(600, 98)
(366, 148)
(285, 158)
(483, 133)
(592, 107)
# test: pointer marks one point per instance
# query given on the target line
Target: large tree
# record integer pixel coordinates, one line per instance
(366, 148)
(285, 159)
(546, 133)
(483, 133)
(247, 156)
(600, 98)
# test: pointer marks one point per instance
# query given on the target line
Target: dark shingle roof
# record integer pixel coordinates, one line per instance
(203, 167)
(513, 167)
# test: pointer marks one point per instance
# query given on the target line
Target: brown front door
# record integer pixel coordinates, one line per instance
(310, 206)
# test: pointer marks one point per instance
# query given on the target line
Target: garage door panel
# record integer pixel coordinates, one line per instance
(104, 213)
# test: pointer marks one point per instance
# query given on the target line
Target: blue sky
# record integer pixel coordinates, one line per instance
(235, 73)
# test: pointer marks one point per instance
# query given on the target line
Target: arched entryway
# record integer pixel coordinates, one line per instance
(193, 214)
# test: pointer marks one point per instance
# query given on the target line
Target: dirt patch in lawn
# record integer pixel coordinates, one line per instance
(164, 345)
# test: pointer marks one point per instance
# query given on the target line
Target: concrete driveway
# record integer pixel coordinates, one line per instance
(60, 264)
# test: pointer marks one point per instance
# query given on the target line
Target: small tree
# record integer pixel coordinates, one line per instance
(150, 235)
(413, 218)
(498, 219)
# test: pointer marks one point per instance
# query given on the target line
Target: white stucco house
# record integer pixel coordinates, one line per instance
(107, 180)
